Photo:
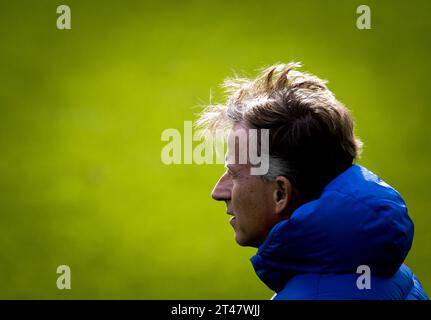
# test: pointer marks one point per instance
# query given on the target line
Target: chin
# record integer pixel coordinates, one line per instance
(245, 242)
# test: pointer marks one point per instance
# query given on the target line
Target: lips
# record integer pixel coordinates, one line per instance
(232, 220)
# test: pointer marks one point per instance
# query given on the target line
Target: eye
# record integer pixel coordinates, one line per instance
(231, 173)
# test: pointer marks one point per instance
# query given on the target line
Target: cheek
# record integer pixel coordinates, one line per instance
(250, 200)
(252, 208)
(241, 192)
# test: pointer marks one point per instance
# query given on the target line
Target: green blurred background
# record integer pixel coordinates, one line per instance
(82, 112)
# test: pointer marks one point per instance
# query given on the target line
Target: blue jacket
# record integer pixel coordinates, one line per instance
(357, 220)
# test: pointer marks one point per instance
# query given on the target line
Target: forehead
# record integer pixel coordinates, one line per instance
(237, 145)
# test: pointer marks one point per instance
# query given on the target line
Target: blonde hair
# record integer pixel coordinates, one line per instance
(311, 132)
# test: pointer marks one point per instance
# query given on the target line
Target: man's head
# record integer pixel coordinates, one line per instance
(311, 141)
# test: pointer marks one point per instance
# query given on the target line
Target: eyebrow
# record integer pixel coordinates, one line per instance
(227, 165)
(231, 168)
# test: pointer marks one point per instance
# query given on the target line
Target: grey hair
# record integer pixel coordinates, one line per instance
(311, 133)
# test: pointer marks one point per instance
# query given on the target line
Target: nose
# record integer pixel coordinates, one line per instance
(222, 189)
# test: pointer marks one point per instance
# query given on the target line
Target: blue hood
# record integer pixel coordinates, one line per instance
(357, 220)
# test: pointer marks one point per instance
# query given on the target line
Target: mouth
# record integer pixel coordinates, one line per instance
(232, 220)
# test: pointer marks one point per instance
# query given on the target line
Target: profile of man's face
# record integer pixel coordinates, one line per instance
(249, 198)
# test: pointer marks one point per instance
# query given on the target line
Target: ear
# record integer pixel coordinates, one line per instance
(282, 194)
